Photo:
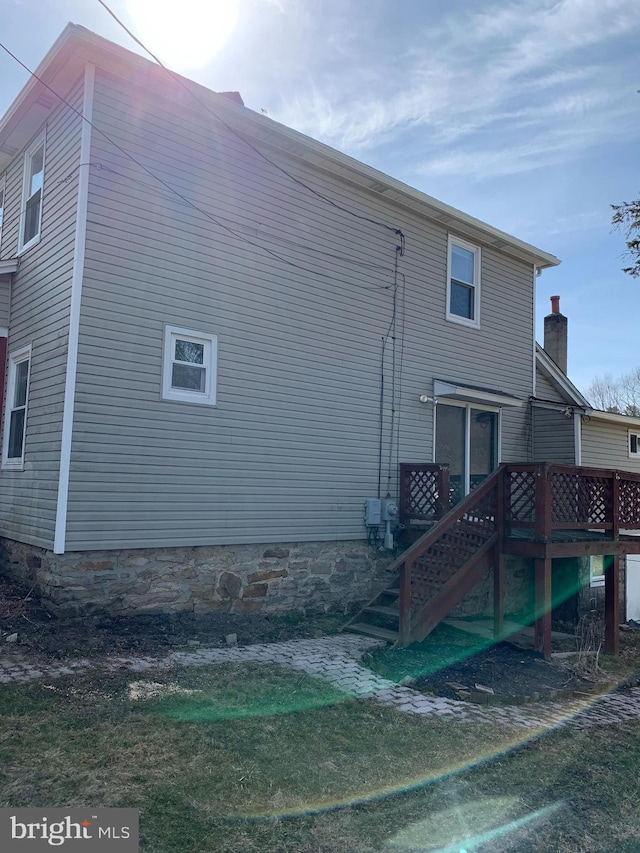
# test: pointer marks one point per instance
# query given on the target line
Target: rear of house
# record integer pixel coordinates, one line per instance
(234, 337)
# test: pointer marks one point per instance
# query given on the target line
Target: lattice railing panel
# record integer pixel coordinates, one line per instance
(423, 495)
(521, 491)
(457, 544)
(580, 499)
(629, 503)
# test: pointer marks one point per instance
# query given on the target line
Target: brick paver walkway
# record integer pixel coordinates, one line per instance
(336, 659)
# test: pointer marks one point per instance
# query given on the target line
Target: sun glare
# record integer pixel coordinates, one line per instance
(184, 33)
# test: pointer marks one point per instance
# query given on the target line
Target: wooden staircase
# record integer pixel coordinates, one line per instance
(438, 570)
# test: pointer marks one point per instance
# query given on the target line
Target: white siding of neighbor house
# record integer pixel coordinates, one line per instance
(39, 316)
(290, 451)
(553, 437)
(605, 445)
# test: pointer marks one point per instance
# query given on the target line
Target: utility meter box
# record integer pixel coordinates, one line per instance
(389, 509)
(373, 512)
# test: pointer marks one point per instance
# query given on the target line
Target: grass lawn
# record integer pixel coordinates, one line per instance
(242, 758)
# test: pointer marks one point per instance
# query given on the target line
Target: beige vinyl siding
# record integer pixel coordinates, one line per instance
(290, 451)
(605, 445)
(39, 316)
(553, 436)
(5, 299)
(548, 390)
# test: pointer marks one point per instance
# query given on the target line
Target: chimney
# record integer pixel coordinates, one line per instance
(555, 334)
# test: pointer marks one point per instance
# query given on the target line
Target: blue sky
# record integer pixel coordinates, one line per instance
(524, 114)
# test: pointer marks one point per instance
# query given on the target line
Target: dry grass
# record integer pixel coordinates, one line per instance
(250, 758)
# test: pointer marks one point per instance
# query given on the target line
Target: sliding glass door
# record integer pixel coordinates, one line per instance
(466, 439)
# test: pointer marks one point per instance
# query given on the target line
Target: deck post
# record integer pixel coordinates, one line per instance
(498, 592)
(612, 607)
(615, 506)
(543, 606)
(404, 606)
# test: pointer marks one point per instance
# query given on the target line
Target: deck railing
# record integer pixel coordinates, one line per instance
(440, 567)
(546, 498)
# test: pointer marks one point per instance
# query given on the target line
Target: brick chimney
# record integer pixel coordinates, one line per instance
(555, 334)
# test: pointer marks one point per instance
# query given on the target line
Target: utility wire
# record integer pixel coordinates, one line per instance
(180, 80)
(160, 180)
(239, 225)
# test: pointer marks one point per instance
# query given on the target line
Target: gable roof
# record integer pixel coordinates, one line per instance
(573, 397)
(62, 67)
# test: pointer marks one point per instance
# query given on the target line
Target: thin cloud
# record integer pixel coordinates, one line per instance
(545, 69)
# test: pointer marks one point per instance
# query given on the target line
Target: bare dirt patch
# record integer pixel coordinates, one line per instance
(22, 613)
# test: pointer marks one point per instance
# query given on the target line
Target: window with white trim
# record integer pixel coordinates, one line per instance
(463, 283)
(15, 424)
(190, 364)
(597, 566)
(32, 187)
(634, 444)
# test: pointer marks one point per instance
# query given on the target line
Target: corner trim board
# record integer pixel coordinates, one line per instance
(59, 541)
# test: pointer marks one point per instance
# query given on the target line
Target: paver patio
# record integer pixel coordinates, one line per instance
(336, 659)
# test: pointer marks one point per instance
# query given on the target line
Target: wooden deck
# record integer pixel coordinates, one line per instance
(535, 511)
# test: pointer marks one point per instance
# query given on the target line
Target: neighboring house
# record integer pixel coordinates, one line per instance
(224, 336)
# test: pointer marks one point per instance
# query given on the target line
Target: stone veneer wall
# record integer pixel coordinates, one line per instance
(308, 577)
(518, 592)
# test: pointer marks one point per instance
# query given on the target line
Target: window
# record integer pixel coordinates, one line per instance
(634, 444)
(190, 361)
(32, 186)
(463, 283)
(16, 415)
(597, 566)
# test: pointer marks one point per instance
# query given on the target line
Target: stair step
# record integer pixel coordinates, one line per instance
(372, 631)
(382, 610)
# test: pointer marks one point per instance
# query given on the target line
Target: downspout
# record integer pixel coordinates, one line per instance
(74, 312)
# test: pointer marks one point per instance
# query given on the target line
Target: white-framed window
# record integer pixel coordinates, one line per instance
(634, 443)
(15, 422)
(463, 282)
(190, 366)
(597, 566)
(32, 187)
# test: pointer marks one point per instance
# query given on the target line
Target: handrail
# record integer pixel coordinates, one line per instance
(422, 545)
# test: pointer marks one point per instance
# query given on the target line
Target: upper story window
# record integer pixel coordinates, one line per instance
(15, 425)
(634, 444)
(463, 283)
(32, 186)
(190, 363)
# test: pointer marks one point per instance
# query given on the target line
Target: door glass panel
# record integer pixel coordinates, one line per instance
(483, 445)
(450, 429)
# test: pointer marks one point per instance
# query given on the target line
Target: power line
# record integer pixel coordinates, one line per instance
(160, 180)
(178, 78)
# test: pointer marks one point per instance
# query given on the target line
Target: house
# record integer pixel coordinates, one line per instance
(223, 337)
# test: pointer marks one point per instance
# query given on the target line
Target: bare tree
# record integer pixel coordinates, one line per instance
(620, 395)
(626, 216)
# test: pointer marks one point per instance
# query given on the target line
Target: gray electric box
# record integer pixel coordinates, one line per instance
(373, 512)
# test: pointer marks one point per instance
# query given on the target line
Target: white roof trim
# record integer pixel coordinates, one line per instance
(471, 394)
(613, 417)
(552, 370)
(7, 267)
(77, 45)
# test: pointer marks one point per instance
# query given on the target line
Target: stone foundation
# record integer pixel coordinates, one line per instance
(518, 592)
(312, 577)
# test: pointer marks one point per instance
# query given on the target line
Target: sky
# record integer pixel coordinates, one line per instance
(524, 114)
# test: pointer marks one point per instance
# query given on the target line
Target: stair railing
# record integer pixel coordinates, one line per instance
(451, 548)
